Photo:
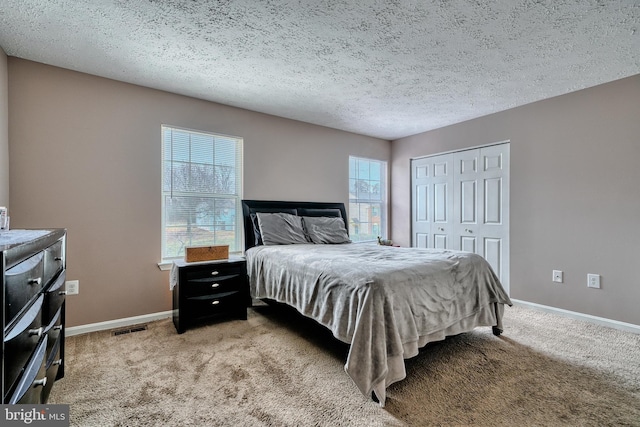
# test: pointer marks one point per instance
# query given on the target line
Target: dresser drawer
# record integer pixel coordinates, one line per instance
(53, 261)
(53, 363)
(21, 340)
(53, 330)
(211, 305)
(22, 283)
(34, 378)
(54, 296)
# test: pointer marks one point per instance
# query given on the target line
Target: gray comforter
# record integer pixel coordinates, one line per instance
(386, 302)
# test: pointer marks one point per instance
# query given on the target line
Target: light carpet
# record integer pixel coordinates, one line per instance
(278, 369)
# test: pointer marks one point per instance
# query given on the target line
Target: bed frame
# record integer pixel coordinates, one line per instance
(295, 208)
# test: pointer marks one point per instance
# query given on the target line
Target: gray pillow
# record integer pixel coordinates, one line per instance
(322, 229)
(281, 228)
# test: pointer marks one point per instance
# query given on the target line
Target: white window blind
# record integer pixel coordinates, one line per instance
(201, 191)
(367, 199)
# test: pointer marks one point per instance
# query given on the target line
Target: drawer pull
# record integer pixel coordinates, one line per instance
(57, 328)
(215, 285)
(215, 302)
(37, 332)
(42, 382)
(57, 258)
(57, 362)
(62, 293)
(37, 281)
(214, 273)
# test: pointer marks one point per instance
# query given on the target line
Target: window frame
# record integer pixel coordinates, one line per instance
(383, 205)
(238, 188)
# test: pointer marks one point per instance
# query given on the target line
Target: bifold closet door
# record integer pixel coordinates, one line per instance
(481, 205)
(432, 202)
(461, 201)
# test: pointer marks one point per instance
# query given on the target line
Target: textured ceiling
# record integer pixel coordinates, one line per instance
(383, 68)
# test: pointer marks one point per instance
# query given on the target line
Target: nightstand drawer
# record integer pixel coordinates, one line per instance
(214, 270)
(213, 284)
(209, 305)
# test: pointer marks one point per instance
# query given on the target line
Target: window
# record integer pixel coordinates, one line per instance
(201, 191)
(367, 199)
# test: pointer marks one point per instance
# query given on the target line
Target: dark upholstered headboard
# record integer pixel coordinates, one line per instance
(295, 208)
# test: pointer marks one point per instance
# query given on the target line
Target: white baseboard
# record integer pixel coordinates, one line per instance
(128, 321)
(117, 323)
(629, 327)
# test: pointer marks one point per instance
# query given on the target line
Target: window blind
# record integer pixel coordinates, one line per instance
(367, 199)
(201, 190)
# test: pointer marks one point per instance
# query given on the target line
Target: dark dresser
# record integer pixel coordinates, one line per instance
(33, 303)
(207, 290)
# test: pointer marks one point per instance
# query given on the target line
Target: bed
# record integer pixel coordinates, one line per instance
(385, 302)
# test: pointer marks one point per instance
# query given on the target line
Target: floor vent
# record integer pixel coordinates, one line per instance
(128, 330)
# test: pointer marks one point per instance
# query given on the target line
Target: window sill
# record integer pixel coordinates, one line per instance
(165, 265)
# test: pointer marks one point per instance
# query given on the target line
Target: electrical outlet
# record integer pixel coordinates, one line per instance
(593, 281)
(73, 287)
(558, 276)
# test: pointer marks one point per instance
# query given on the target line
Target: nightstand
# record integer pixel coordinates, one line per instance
(208, 290)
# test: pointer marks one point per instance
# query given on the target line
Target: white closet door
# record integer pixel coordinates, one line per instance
(466, 199)
(461, 201)
(432, 202)
(494, 228)
(481, 205)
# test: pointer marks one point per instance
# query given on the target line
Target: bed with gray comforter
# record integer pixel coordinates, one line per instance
(386, 302)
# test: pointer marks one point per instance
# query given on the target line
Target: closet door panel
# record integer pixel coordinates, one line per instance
(493, 253)
(421, 240)
(440, 241)
(468, 202)
(493, 209)
(422, 207)
(468, 244)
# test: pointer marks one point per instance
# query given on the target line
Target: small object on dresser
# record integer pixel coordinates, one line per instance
(206, 253)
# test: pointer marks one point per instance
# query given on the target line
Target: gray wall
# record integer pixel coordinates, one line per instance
(85, 155)
(4, 131)
(575, 194)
